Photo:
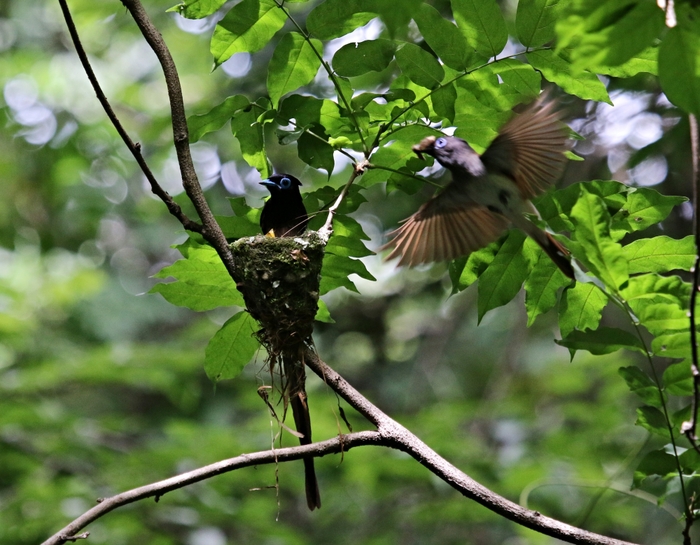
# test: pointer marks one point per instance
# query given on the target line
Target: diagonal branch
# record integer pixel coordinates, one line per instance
(211, 230)
(134, 148)
(401, 438)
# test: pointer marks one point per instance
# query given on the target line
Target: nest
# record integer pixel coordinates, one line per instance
(279, 279)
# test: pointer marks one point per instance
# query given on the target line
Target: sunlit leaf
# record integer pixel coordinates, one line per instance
(660, 254)
(535, 20)
(294, 64)
(541, 287)
(231, 348)
(592, 233)
(248, 26)
(556, 69)
(581, 308)
(335, 18)
(197, 9)
(678, 379)
(482, 24)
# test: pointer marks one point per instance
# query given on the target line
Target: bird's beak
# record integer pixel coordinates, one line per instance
(425, 146)
(268, 183)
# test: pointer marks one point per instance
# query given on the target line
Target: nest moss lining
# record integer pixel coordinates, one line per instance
(279, 279)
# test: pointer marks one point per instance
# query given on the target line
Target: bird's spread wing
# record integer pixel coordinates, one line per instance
(444, 228)
(530, 149)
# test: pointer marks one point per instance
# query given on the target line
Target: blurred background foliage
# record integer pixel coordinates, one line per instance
(101, 384)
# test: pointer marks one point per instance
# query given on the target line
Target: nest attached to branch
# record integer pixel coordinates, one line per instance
(279, 279)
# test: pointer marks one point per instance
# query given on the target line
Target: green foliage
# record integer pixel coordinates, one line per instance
(373, 100)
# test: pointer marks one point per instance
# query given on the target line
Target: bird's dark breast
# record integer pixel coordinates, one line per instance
(287, 218)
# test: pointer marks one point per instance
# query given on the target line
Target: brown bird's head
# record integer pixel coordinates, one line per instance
(451, 152)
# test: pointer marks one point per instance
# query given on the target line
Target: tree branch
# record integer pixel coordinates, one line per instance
(358, 170)
(156, 490)
(689, 428)
(401, 438)
(134, 148)
(211, 230)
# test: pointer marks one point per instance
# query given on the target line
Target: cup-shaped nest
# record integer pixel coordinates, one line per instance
(279, 279)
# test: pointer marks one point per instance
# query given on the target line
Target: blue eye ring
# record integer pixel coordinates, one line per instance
(285, 183)
(440, 142)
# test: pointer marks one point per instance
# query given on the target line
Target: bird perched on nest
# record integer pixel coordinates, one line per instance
(488, 192)
(284, 215)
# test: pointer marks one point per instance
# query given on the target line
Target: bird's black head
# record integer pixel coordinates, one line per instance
(451, 152)
(281, 183)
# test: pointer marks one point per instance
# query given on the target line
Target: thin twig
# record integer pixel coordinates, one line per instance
(210, 228)
(331, 75)
(356, 171)
(134, 148)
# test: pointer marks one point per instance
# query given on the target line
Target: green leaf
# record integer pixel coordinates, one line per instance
(502, 85)
(541, 287)
(231, 348)
(338, 262)
(251, 139)
(581, 308)
(201, 281)
(609, 33)
(597, 250)
(679, 68)
(656, 462)
(397, 153)
(502, 280)
(654, 286)
(443, 101)
(476, 122)
(308, 111)
(355, 59)
(294, 64)
(482, 24)
(658, 315)
(464, 271)
(554, 68)
(315, 152)
(335, 18)
(604, 340)
(199, 125)
(678, 379)
(419, 65)
(660, 254)
(323, 314)
(646, 61)
(197, 9)
(443, 37)
(535, 20)
(653, 420)
(644, 207)
(245, 223)
(675, 344)
(641, 384)
(248, 26)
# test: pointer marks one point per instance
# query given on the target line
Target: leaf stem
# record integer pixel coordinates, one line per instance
(331, 75)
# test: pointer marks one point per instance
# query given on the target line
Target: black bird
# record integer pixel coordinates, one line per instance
(488, 192)
(284, 214)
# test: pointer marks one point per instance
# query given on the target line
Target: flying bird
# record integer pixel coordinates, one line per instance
(284, 213)
(488, 192)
